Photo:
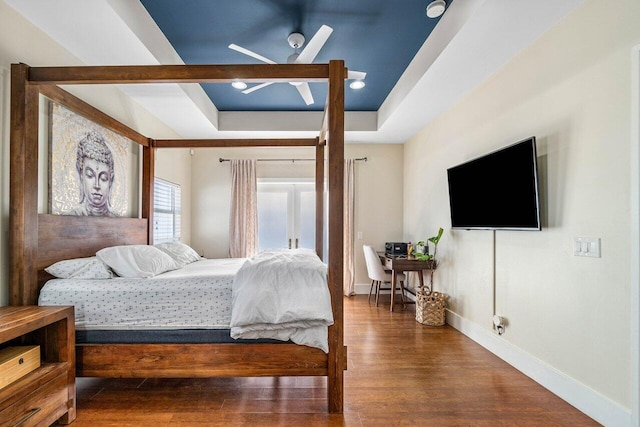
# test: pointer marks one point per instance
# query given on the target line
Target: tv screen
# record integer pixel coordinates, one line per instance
(498, 191)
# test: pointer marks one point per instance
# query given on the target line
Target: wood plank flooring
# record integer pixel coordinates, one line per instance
(400, 373)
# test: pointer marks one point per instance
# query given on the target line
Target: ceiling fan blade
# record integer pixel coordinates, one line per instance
(305, 92)
(356, 75)
(250, 53)
(256, 87)
(312, 49)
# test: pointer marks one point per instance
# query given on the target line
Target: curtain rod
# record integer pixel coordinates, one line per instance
(361, 159)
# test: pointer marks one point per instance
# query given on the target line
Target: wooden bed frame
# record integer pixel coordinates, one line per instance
(37, 240)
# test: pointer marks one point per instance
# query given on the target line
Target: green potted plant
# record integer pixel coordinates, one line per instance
(424, 255)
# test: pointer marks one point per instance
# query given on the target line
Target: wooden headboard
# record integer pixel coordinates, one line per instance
(65, 237)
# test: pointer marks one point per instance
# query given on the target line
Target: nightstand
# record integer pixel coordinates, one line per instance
(48, 393)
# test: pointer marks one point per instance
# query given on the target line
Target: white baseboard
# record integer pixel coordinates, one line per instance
(362, 288)
(592, 403)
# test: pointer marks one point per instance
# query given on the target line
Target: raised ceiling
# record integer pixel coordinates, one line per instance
(410, 80)
(380, 37)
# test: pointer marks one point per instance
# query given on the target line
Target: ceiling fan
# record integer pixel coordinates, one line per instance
(306, 56)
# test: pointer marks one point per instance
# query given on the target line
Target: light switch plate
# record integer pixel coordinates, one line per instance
(586, 246)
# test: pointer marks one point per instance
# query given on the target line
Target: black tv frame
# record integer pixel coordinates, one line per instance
(488, 226)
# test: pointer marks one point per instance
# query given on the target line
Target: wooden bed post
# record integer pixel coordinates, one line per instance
(335, 143)
(319, 197)
(148, 174)
(23, 183)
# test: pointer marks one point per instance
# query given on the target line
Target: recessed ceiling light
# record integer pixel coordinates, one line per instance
(436, 8)
(357, 84)
(239, 85)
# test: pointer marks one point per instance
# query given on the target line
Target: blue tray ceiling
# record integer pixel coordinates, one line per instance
(380, 37)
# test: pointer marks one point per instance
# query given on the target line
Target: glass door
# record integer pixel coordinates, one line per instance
(286, 214)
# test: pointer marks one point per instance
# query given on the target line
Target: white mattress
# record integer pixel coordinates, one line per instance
(197, 296)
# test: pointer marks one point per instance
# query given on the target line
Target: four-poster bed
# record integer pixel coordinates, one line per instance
(38, 240)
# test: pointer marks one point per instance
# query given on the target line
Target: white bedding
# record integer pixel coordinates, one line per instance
(283, 295)
(280, 295)
(197, 296)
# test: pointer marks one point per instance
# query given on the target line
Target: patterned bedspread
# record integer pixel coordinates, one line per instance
(197, 296)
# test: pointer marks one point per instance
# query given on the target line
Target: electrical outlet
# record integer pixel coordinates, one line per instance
(499, 324)
(359, 235)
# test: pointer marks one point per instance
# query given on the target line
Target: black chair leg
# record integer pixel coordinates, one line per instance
(377, 292)
(370, 290)
(402, 292)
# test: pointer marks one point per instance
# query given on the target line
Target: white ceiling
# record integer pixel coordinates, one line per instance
(472, 41)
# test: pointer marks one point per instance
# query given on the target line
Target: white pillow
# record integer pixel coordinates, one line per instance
(182, 254)
(136, 260)
(80, 268)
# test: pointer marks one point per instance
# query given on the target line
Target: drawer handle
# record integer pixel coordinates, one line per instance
(26, 417)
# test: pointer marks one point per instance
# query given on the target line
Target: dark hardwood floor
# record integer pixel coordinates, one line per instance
(400, 373)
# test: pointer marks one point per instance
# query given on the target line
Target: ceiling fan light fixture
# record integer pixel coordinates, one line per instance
(296, 40)
(240, 85)
(357, 84)
(436, 8)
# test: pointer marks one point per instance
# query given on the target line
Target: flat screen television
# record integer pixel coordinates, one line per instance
(498, 191)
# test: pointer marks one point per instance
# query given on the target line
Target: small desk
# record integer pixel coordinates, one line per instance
(398, 264)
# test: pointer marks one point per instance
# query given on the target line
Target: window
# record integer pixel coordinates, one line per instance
(286, 214)
(166, 211)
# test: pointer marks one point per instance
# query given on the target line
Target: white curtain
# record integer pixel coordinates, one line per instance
(349, 202)
(243, 221)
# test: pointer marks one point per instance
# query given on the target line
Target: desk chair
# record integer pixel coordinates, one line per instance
(378, 274)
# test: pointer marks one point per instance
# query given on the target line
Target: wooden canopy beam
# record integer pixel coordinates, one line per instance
(132, 74)
(77, 105)
(222, 143)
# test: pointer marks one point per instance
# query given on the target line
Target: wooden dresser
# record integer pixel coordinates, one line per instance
(48, 393)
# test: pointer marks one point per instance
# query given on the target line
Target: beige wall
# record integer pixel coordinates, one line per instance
(20, 41)
(378, 193)
(571, 89)
(379, 200)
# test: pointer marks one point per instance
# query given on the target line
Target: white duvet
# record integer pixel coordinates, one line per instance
(282, 295)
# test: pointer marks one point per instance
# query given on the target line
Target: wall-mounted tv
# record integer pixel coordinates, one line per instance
(498, 191)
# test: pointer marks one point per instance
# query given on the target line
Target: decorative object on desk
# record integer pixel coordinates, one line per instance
(430, 305)
(425, 256)
(421, 248)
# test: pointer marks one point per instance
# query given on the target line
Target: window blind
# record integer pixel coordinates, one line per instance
(166, 211)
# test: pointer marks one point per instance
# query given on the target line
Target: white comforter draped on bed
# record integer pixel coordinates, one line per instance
(282, 295)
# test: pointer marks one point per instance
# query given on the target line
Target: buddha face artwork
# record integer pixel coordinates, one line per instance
(88, 167)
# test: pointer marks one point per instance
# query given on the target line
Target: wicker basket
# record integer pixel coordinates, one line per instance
(430, 308)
